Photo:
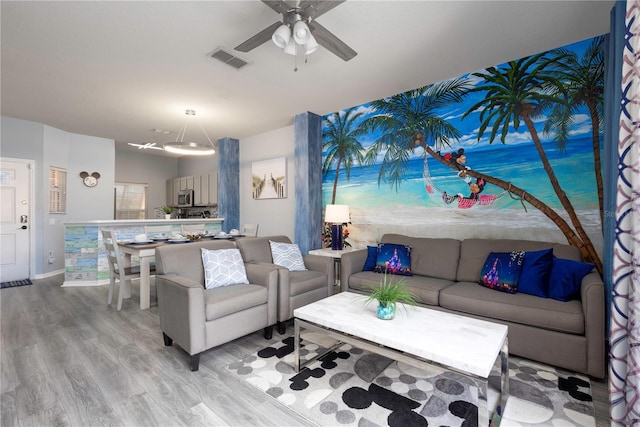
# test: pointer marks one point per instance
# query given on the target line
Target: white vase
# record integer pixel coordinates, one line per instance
(167, 216)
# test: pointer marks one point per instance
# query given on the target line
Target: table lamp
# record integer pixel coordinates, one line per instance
(336, 215)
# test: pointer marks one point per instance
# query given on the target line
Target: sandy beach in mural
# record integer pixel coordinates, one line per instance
(369, 225)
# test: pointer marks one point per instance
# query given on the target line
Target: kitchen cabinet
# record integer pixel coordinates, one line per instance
(205, 189)
(213, 189)
(201, 190)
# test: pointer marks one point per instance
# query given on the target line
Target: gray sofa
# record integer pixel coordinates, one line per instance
(569, 334)
(295, 288)
(198, 319)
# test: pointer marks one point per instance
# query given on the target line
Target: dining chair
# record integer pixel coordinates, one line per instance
(192, 228)
(250, 230)
(158, 230)
(117, 268)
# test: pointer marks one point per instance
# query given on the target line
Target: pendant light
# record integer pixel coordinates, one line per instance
(190, 148)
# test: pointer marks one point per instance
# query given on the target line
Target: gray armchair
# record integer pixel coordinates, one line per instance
(197, 318)
(295, 288)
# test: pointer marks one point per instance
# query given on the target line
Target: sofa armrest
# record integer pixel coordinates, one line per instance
(265, 275)
(322, 264)
(182, 311)
(593, 308)
(350, 263)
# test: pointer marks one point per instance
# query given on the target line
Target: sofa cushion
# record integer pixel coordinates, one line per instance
(432, 257)
(223, 267)
(468, 297)
(287, 255)
(501, 271)
(566, 278)
(474, 252)
(426, 289)
(225, 300)
(393, 259)
(534, 278)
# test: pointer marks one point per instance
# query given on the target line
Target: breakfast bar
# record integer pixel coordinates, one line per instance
(85, 257)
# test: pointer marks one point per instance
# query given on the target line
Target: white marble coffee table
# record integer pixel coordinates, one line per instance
(468, 346)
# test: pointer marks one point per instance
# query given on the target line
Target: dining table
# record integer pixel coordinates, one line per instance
(146, 251)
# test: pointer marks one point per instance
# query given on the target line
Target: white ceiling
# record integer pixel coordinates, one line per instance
(119, 69)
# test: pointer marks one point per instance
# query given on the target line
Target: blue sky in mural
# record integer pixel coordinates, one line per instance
(516, 161)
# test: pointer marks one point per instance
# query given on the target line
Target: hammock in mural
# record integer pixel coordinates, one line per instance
(462, 202)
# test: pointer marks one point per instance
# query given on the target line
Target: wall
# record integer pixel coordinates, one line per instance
(49, 146)
(204, 165)
(145, 168)
(274, 216)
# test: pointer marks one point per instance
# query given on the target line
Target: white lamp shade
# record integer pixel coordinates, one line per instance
(336, 214)
(281, 36)
(301, 32)
(290, 48)
(311, 46)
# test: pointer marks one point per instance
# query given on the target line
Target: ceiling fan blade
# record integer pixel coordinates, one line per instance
(260, 38)
(329, 41)
(278, 6)
(315, 8)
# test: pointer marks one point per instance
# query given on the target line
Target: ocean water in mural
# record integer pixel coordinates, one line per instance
(518, 164)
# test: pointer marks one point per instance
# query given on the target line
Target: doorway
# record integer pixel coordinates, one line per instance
(16, 219)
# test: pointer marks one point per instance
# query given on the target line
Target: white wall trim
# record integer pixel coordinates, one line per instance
(85, 283)
(49, 274)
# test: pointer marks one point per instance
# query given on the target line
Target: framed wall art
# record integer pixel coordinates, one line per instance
(269, 178)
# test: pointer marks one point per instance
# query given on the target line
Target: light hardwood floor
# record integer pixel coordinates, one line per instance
(68, 359)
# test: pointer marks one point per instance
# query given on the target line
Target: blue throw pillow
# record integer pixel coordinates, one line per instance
(501, 271)
(566, 278)
(372, 257)
(534, 277)
(393, 259)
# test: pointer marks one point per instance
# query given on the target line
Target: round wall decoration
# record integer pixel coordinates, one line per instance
(89, 180)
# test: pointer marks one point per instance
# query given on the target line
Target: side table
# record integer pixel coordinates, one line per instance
(336, 255)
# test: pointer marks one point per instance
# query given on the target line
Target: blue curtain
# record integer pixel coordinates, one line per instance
(612, 96)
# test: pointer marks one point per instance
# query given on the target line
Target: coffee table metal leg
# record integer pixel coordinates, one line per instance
(296, 343)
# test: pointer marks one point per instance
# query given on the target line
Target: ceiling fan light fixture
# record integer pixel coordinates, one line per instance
(301, 32)
(291, 48)
(281, 36)
(311, 46)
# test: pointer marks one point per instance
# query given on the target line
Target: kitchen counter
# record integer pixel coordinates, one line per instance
(85, 259)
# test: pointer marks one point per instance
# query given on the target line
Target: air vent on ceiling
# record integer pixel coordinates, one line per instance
(227, 58)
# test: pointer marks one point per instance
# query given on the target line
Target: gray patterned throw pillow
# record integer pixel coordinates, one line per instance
(223, 267)
(287, 255)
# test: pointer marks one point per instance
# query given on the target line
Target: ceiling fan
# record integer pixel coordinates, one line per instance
(300, 15)
(148, 145)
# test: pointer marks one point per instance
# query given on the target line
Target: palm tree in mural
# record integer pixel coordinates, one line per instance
(406, 118)
(341, 145)
(582, 85)
(520, 91)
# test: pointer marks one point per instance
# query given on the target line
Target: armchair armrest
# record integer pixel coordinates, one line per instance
(181, 309)
(322, 264)
(265, 275)
(350, 263)
(593, 308)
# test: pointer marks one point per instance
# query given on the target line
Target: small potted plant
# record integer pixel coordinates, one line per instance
(388, 294)
(167, 211)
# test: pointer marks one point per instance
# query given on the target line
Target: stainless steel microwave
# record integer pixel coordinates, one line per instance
(185, 199)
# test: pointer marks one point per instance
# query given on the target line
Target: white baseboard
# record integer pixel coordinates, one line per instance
(75, 283)
(49, 274)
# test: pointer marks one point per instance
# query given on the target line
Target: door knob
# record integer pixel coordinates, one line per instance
(24, 227)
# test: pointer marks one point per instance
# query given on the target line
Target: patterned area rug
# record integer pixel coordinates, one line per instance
(14, 283)
(352, 387)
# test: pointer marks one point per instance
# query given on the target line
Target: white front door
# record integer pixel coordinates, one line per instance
(15, 224)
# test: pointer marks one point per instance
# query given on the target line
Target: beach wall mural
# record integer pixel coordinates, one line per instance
(511, 151)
